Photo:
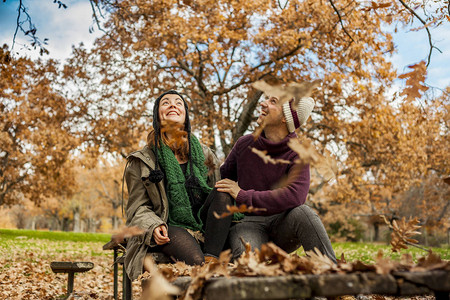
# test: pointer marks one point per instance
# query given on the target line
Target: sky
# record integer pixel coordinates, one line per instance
(67, 27)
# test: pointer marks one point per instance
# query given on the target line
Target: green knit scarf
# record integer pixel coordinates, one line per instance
(180, 210)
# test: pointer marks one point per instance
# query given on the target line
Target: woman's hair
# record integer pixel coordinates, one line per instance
(180, 147)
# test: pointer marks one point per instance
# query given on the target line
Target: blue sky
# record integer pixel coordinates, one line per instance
(67, 27)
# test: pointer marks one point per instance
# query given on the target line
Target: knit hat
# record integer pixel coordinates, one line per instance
(297, 116)
(157, 175)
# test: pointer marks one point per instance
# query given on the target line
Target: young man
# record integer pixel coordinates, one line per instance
(287, 222)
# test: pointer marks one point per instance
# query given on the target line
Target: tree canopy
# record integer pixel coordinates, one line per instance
(99, 101)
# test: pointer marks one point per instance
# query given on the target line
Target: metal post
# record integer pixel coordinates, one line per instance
(127, 293)
(70, 283)
(116, 275)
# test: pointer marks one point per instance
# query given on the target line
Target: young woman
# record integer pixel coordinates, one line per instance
(170, 192)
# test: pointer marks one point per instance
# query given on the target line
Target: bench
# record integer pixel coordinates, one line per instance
(127, 292)
(71, 268)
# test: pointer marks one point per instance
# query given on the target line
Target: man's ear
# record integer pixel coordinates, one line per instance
(283, 119)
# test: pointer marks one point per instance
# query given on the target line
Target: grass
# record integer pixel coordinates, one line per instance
(55, 235)
(366, 252)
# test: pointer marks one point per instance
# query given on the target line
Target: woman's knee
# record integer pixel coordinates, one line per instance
(196, 260)
(224, 198)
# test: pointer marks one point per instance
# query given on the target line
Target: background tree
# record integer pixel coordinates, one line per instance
(36, 137)
(213, 51)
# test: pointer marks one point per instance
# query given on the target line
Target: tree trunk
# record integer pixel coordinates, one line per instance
(244, 120)
(115, 222)
(76, 220)
(65, 224)
(376, 232)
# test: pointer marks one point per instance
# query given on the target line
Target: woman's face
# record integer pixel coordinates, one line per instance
(171, 107)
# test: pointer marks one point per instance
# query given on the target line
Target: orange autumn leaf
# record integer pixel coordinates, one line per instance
(235, 209)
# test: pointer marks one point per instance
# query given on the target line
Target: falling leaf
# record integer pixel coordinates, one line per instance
(327, 167)
(447, 180)
(305, 150)
(285, 93)
(415, 81)
(126, 232)
(175, 133)
(241, 209)
(258, 130)
(267, 159)
(155, 285)
(375, 5)
(402, 232)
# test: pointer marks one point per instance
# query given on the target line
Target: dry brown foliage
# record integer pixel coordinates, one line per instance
(415, 81)
(126, 232)
(284, 93)
(267, 159)
(235, 209)
(174, 131)
(402, 232)
(271, 260)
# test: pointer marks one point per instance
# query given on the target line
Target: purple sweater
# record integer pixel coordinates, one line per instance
(258, 180)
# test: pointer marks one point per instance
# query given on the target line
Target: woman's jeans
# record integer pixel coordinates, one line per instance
(289, 230)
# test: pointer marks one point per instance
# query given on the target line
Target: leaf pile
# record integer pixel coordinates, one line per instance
(273, 261)
(25, 271)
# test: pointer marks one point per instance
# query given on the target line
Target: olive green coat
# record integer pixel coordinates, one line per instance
(148, 206)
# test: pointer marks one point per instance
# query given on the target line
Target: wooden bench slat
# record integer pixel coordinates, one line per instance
(66, 267)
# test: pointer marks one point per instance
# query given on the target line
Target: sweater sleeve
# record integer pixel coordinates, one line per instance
(281, 199)
(229, 167)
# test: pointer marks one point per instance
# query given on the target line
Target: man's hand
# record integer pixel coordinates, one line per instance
(160, 235)
(228, 186)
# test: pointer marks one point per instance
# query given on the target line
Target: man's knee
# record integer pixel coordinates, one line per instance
(302, 213)
(240, 235)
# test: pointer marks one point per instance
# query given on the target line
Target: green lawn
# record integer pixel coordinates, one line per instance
(364, 252)
(55, 235)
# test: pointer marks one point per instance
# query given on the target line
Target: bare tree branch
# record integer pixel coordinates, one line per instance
(340, 20)
(426, 28)
(285, 4)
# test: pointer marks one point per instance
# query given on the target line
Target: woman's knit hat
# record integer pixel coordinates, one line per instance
(157, 175)
(297, 116)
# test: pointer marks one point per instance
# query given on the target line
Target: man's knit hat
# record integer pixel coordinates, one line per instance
(297, 116)
(157, 175)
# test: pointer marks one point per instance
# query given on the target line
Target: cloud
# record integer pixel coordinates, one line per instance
(62, 27)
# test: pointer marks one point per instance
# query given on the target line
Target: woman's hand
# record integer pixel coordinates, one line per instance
(228, 186)
(160, 235)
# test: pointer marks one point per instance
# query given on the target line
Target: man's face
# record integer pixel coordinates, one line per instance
(271, 112)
